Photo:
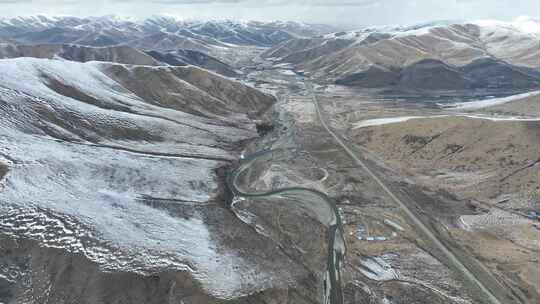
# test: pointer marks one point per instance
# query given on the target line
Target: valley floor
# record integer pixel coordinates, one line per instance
(413, 233)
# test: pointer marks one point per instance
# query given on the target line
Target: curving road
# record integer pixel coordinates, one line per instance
(325, 209)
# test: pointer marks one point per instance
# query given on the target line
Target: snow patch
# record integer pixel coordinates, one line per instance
(378, 269)
(383, 121)
(493, 219)
(473, 105)
(393, 120)
(287, 72)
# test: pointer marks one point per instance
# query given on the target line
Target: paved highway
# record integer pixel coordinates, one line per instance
(414, 219)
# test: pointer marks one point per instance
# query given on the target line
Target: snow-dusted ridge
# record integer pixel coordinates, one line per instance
(103, 171)
(523, 24)
(466, 55)
(163, 23)
(398, 30)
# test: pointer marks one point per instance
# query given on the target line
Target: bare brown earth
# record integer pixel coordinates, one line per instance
(475, 158)
(190, 89)
(385, 260)
(494, 234)
(493, 167)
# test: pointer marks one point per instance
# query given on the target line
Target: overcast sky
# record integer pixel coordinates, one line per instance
(340, 12)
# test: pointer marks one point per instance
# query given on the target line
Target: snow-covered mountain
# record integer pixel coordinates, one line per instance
(118, 54)
(113, 144)
(442, 55)
(183, 57)
(163, 32)
(110, 174)
(224, 40)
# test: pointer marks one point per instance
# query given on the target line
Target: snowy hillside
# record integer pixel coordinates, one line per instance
(478, 54)
(119, 164)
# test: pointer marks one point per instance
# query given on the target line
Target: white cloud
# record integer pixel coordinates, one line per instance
(350, 12)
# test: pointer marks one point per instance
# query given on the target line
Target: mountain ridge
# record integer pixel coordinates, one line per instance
(338, 57)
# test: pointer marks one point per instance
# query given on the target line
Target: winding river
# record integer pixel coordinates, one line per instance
(319, 203)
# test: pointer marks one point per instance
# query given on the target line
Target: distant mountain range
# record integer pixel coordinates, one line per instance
(156, 33)
(118, 54)
(440, 56)
(116, 135)
(208, 44)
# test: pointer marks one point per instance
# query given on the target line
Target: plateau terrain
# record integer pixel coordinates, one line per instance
(165, 160)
